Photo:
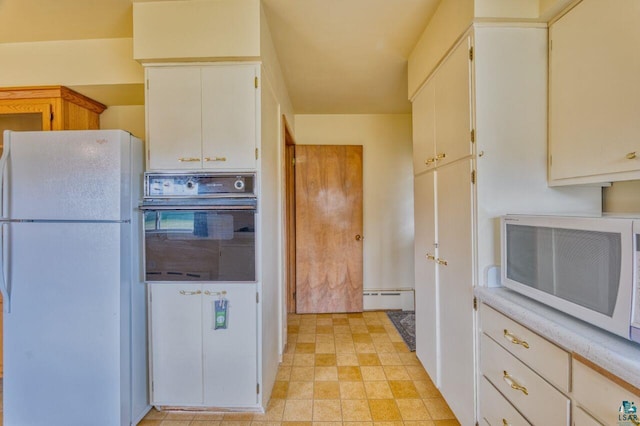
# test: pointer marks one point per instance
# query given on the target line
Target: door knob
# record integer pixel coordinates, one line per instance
(359, 237)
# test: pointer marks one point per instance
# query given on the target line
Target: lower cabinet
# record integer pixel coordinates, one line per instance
(517, 368)
(193, 364)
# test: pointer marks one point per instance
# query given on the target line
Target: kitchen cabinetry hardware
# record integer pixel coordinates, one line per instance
(429, 256)
(215, 159)
(505, 422)
(359, 237)
(441, 262)
(513, 339)
(514, 385)
(188, 159)
(441, 156)
(429, 161)
(631, 155)
(222, 293)
(189, 293)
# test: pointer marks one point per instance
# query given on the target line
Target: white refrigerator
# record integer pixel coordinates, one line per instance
(70, 273)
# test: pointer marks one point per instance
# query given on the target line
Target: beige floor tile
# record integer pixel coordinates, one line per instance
(362, 338)
(357, 423)
(175, 422)
(341, 329)
(438, 409)
(304, 360)
(400, 347)
(296, 423)
(326, 390)
(449, 422)
(355, 410)
(327, 410)
(326, 373)
(293, 328)
(325, 348)
(324, 329)
(287, 360)
(345, 348)
(302, 374)
(306, 338)
(265, 423)
(347, 359)
(325, 338)
(385, 347)
(154, 414)
(307, 329)
(378, 390)
(364, 347)
(413, 409)
(390, 359)
(280, 389)
(149, 422)
(417, 372)
(325, 360)
(426, 389)
(396, 372)
(384, 410)
(284, 373)
(305, 348)
(368, 359)
(209, 416)
(359, 328)
(180, 416)
(343, 337)
(340, 321)
(372, 373)
(397, 423)
(238, 417)
(349, 374)
(274, 411)
(323, 321)
(419, 423)
(409, 359)
(404, 389)
(352, 390)
(380, 337)
(299, 410)
(375, 328)
(300, 390)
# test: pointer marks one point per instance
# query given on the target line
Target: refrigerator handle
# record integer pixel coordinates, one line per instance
(4, 260)
(4, 175)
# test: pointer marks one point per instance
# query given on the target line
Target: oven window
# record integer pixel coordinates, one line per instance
(200, 245)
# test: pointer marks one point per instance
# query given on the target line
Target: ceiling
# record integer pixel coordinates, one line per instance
(337, 56)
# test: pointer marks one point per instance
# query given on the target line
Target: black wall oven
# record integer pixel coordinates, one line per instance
(200, 227)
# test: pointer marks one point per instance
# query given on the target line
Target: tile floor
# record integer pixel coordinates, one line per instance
(339, 369)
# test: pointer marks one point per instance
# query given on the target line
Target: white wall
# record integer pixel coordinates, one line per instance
(388, 188)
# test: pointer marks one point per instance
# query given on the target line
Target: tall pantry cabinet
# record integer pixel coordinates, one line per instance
(480, 125)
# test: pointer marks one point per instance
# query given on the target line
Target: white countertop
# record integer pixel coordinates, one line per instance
(613, 353)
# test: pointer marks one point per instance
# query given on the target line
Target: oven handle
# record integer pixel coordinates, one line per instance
(197, 208)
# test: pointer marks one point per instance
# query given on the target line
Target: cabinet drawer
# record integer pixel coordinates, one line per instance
(547, 359)
(599, 396)
(536, 399)
(495, 409)
(581, 418)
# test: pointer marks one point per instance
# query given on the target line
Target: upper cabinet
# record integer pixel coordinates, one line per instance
(595, 93)
(202, 117)
(444, 114)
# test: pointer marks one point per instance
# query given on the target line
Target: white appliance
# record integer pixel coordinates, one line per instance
(74, 298)
(584, 266)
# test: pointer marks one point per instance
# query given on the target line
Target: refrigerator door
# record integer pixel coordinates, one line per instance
(67, 175)
(67, 340)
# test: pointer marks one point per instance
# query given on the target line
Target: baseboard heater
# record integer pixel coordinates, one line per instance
(386, 299)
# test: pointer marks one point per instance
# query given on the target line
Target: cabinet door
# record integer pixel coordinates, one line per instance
(229, 116)
(594, 90)
(230, 354)
(453, 106)
(176, 345)
(174, 139)
(424, 142)
(455, 287)
(425, 273)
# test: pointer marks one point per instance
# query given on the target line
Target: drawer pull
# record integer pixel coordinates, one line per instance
(441, 262)
(513, 339)
(215, 159)
(505, 422)
(429, 256)
(429, 161)
(188, 159)
(514, 385)
(631, 156)
(441, 156)
(189, 293)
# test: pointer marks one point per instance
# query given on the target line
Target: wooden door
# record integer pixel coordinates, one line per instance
(455, 288)
(328, 181)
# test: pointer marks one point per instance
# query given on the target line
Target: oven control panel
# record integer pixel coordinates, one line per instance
(198, 184)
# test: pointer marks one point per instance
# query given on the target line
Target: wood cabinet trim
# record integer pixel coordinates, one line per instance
(41, 92)
(600, 370)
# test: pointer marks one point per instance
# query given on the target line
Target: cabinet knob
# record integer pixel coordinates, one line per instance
(514, 385)
(441, 156)
(215, 159)
(359, 237)
(429, 256)
(631, 155)
(188, 159)
(513, 339)
(429, 161)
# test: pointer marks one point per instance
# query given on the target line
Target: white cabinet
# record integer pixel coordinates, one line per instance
(487, 115)
(522, 366)
(192, 363)
(602, 398)
(595, 93)
(202, 117)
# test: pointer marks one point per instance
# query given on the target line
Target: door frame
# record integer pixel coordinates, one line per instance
(289, 217)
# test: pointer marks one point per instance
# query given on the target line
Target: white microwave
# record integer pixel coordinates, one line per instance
(586, 267)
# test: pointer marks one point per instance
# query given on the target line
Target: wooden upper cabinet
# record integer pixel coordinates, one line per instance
(48, 108)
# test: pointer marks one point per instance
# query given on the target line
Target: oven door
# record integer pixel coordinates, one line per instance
(200, 245)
